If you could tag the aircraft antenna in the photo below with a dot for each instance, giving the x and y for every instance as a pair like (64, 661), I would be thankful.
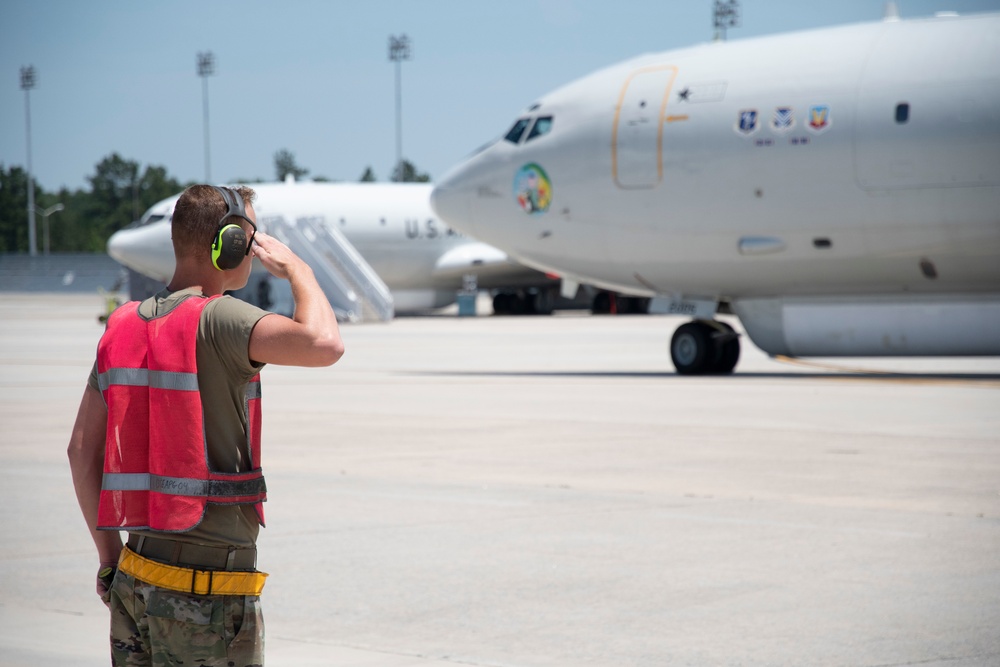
(726, 14)
(399, 50)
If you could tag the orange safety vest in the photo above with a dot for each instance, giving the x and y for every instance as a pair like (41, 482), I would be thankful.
(156, 471)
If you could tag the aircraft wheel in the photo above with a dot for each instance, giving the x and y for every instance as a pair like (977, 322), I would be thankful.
(501, 304)
(692, 349)
(545, 302)
(602, 303)
(728, 351)
(525, 304)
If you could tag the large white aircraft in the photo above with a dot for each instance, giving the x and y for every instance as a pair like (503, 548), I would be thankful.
(422, 261)
(837, 189)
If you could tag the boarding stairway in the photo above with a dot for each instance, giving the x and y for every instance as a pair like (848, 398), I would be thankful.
(351, 285)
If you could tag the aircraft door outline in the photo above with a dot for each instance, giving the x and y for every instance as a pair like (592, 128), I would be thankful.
(633, 165)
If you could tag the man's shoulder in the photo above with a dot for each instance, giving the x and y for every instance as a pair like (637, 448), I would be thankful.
(227, 323)
(227, 317)
(229, 307)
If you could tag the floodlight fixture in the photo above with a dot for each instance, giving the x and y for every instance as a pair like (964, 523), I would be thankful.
(27, 77)
(45, 221)
(399, 48)
(726, 14)
(206, 63)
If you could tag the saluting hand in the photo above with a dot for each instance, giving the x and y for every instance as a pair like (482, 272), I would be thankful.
(275, 256)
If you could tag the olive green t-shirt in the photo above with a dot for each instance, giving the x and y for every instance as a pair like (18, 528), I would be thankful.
(224, 370)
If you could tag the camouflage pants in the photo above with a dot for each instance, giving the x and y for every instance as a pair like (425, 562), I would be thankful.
(155, 627)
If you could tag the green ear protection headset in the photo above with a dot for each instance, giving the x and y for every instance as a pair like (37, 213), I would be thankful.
(231, 244)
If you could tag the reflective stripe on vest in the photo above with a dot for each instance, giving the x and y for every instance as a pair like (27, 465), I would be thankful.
(181, 486)
(156, 471)
(143, 377)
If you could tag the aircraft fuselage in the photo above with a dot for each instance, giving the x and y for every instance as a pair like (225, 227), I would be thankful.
(860, 161)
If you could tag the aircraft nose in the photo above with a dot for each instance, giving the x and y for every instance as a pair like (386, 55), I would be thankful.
(451, 200)
(147, 250)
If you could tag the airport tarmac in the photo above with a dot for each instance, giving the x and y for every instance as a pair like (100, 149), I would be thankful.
(547, 492)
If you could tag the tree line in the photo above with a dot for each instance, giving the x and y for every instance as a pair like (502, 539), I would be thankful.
(120, 192)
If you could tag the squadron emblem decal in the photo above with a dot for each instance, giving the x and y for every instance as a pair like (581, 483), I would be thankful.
(532, 189)
(783, 119)
(746, 122)
(819, 118)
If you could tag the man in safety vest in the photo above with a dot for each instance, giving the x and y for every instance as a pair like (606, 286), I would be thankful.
(166, 444)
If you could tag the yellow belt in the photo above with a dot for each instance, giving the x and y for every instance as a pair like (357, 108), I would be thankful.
(187, 580)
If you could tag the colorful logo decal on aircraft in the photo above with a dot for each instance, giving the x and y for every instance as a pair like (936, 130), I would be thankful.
(746, 123)
(783, 119)
(532, 189)
(819, 118)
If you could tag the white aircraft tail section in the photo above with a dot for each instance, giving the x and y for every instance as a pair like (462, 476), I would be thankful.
(353, 288)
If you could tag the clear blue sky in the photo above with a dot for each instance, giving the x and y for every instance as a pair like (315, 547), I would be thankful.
(313, 76)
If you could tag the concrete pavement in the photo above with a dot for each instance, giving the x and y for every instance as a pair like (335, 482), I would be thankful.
(547, 492)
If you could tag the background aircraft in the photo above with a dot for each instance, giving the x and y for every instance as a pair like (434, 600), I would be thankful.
(421, 261)
(837, 189)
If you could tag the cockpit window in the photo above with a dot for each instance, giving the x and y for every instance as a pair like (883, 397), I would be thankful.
(514, 135)
(542, 126)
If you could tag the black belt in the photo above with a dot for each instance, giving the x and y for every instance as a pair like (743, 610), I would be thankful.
(198, 556)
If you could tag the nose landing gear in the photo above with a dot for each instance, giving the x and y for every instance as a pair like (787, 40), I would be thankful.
(705, 347)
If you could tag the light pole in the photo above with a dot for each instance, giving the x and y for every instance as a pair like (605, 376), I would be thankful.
(206, 68)
(726, 14)
(399, 50)
(45, 222)
(27, 83)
